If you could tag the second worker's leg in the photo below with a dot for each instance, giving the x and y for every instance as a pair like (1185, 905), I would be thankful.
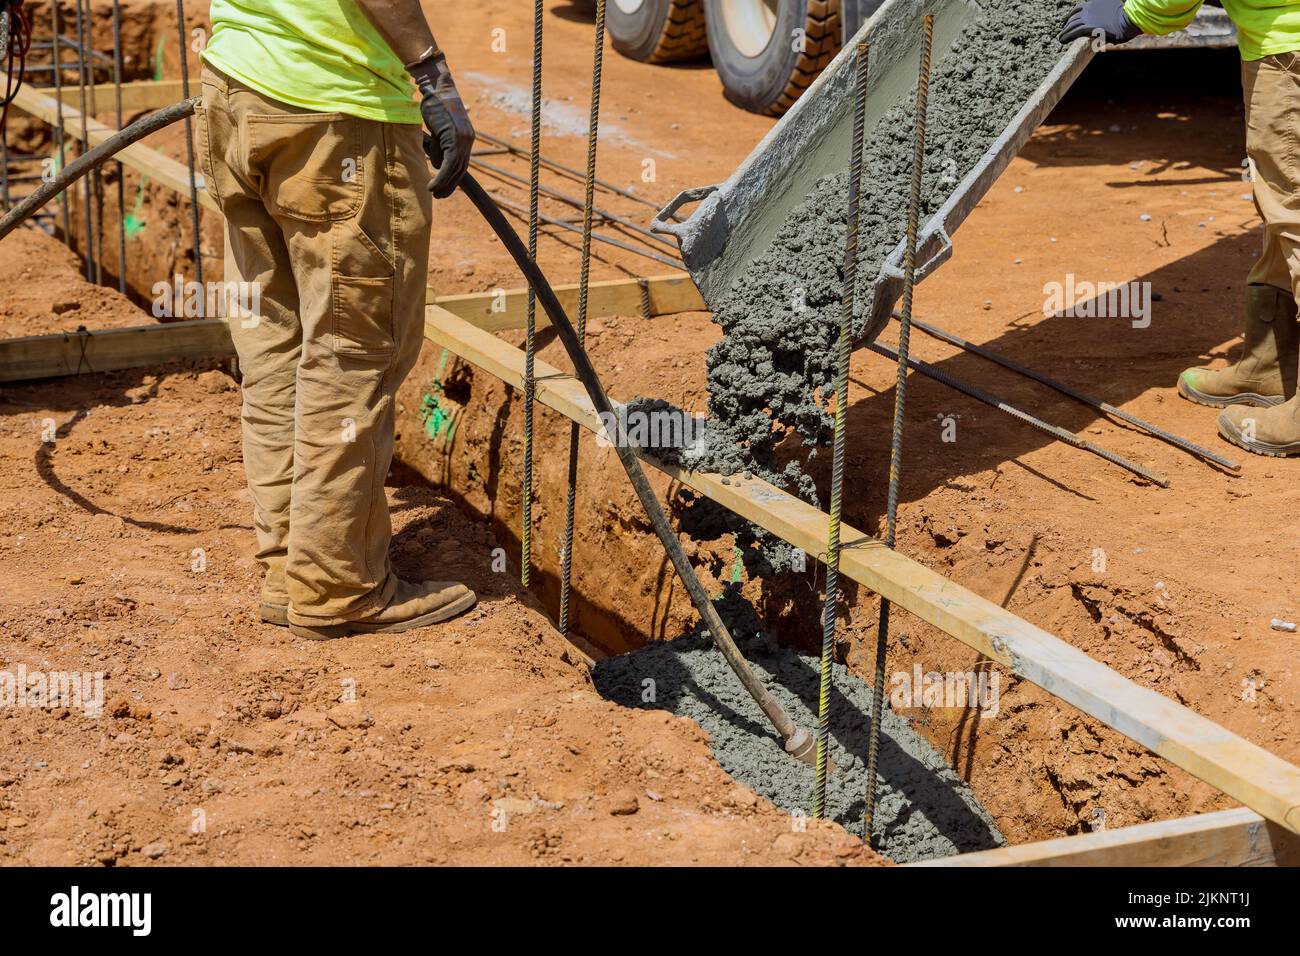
(1272, 88)
(1266, 372)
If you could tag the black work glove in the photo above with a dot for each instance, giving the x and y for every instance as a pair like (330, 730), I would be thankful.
(1106, 16)
(451, 136)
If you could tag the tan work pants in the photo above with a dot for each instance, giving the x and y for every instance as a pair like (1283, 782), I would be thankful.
(329, 216)
(1272, 95)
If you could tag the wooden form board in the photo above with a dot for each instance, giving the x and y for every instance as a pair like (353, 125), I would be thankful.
(137, 95)
(161, 169)
(508, 309)
(1237, 837)
(58, 353)
(1244, 771)
(76, 353)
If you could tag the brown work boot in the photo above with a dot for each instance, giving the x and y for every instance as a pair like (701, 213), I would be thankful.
(1271, 431)
(275, 612)
(1265, 374)
(414, 604)
(275, 594)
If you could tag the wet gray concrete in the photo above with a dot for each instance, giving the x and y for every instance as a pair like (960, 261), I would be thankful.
(781, 317)
(923, 811)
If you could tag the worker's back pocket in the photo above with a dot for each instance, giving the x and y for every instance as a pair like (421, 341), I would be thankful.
(310, 163)
(362, 310)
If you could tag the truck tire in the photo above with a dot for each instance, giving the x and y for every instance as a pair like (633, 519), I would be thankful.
(657, 31)
(767, 52)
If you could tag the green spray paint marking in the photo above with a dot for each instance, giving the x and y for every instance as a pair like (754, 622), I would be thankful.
(736, 574)
(432, 414)
(135, 222)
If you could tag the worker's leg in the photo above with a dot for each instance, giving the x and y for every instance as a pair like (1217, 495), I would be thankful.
(1272, 89)
(266, 331)
(349, 197)
(1266, 372)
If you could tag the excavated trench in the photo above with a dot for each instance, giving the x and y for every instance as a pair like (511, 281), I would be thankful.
(459, 428)
(924, 809)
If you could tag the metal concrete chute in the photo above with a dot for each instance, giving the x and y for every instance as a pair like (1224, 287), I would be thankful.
(934, 246)
(737, 220)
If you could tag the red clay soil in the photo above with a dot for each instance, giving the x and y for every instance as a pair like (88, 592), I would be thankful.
(46, 290)
(478, 742)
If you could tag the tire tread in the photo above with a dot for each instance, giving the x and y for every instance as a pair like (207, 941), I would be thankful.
(683, 36)
(821, 43)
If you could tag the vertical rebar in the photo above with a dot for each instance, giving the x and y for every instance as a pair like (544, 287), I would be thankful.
(530, 333)
(8, 41)
(900, 396)
(80, 25)
(843, 348)
(4, 167)
(121, 170)
(97, 175)
(56, 66)
(189, 152)
(584, 275)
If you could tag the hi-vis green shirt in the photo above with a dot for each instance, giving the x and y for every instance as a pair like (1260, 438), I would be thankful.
(1264, 27)
(320, 55)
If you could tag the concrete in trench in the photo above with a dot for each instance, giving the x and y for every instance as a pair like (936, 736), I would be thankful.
(924, 809)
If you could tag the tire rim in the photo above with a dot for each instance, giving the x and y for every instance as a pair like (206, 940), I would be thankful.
(629, 7)
(750, 24)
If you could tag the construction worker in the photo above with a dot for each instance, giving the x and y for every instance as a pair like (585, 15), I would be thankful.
(310, 141)
(1261, 410)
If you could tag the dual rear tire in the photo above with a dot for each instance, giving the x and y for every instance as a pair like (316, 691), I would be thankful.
(766, 52)
(657, 31)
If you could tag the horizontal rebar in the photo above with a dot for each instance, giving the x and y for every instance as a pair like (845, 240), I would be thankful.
(577, 203)
(1096, 403)
(551, 220)
(572, 173)
(988, 398)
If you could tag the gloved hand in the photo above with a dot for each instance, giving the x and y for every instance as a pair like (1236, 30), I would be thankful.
(1104, 15)
(451, 135)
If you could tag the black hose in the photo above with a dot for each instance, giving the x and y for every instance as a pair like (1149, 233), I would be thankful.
(799, 742)
(93, 158)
